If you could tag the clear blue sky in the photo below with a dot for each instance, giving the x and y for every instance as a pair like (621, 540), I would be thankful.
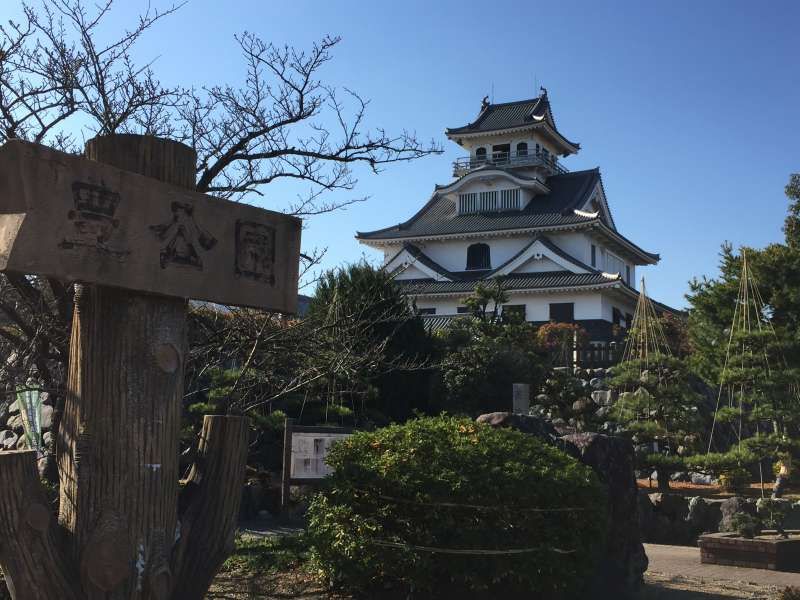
(691, 109)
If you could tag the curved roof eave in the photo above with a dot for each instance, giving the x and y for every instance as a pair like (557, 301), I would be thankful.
(483, 171)
(571, 146)
(650, 257)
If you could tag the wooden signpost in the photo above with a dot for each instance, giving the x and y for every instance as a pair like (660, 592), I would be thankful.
(125, 224)
(80, 220)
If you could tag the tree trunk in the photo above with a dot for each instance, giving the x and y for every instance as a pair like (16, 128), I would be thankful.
(212, 493)
(663, 480)
(118, 441)
(118, 444)
(35, 566)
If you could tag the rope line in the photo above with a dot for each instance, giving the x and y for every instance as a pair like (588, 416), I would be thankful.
(469, 551)
(484, 507)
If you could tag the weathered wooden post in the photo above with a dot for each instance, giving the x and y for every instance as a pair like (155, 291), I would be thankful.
(125, 223)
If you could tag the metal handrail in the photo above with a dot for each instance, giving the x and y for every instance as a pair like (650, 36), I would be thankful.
(509, 159)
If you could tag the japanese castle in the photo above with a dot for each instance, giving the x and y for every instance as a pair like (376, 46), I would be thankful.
(515, 212)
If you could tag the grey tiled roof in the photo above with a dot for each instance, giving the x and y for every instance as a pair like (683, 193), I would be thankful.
(508, 115)
(568, 191)
(527, 281)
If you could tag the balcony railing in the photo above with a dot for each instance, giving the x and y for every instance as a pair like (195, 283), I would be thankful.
(508, 159)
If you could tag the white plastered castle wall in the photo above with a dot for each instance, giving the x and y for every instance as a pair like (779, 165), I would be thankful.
(452, 254)
(588, 305)
(471, 145)
(609, 304)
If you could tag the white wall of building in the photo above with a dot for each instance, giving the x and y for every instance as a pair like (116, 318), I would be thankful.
(588, 305)
(452, 254)
(471, 145)
(489, 184)
(608, 306)
(539, 265)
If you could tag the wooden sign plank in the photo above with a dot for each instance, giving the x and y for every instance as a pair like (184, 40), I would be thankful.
(74, 219)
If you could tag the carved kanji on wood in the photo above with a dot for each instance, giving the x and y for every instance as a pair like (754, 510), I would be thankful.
(75, 219)
(125, 225)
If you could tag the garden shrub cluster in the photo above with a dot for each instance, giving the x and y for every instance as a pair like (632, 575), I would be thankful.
(452, 484)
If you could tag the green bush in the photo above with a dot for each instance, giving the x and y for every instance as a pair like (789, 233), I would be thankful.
(447, 483)
(746, 525)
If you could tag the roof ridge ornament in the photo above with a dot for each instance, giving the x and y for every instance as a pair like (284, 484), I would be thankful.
(484, 103)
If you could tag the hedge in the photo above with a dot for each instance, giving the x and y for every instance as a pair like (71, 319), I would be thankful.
(443, 506)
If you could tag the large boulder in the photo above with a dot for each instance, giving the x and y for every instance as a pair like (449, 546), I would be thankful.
(624, 560)
(704, 515)
(524, 423)
(673, 506)
(647, 516)
(733, 506)
(603, 397)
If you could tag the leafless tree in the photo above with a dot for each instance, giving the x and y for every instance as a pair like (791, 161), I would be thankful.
(59, 83)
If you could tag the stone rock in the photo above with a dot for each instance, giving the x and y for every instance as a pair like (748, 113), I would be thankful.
(582, 405)
(4, 413)
(609, 427)
(581, 373)
(674, 506)
(603, 397)
(793, 517)
(48, 469)
(15, 424)
(542, 399)
(525, 423)
(733, 506)
(49, 439)
(13, 408)
(680, 476)
(8, 440)
(47, 418)
(22, 443)
(646, 516)
(596, 383)
(602, 412)
(599, 372)
(701, 479)
(704, 515)
(623, 561)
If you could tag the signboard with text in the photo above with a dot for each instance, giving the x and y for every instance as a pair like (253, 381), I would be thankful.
(305, 449)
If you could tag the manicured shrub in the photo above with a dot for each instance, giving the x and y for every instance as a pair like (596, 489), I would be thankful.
(746, 525)
(401, 492)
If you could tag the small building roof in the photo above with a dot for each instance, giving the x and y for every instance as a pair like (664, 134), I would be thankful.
(513, 115)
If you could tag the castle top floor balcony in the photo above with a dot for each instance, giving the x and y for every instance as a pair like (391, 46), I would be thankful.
(464, 165)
